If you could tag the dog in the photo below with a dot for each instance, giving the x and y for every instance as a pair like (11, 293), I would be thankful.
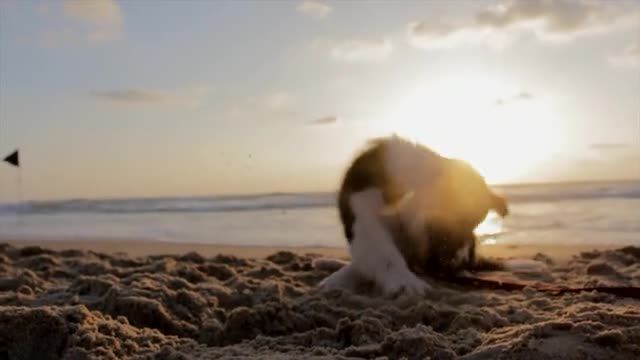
(406, 210)
(436, 229)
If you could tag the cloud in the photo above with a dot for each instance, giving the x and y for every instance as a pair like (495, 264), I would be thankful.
(103, 17)
(82, 21)
(549, 20)
(100, 12)
(314, 8)
(441, 35)
(518, 97)
(190, 96)
(360, 50)
(554, 16)
(627, 58)
(324, 121)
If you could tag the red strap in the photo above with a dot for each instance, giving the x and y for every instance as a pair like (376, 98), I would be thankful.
(624, 291)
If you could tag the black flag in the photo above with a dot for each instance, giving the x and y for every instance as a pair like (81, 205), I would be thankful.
(13, 159)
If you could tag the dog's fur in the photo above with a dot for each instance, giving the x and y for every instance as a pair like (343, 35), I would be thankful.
(405, 209)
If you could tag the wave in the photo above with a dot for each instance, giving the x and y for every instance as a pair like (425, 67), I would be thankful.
(172, 205)
(284, 201)
(560, 192)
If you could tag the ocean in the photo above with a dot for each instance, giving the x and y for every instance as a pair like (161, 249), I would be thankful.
(558, 214)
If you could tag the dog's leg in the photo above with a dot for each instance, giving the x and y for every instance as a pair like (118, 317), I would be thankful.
(373, 251)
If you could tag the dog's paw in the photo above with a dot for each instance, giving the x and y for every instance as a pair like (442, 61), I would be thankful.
(403, 283)
(343, 279)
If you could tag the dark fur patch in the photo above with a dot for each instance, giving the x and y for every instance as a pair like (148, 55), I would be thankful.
(445, 241)
(366, 170)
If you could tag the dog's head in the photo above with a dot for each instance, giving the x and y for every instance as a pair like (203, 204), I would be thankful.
(432, 242)
(465, 195)
(437, 221)
(451, 246)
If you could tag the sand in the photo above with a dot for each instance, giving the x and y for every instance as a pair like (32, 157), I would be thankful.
(75, 300)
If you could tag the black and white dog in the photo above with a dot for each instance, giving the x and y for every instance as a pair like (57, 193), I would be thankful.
(406, 210)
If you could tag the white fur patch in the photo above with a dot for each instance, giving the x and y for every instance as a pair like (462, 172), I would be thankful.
(373, 251)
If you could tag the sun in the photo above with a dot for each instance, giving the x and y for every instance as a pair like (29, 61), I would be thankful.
(462, 116)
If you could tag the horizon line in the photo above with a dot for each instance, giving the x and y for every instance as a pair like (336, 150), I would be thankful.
(273, 193)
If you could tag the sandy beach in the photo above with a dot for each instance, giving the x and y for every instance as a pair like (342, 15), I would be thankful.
(79, 300)
(138, 137)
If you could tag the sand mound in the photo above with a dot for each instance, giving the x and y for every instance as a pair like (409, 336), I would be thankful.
(83, 305)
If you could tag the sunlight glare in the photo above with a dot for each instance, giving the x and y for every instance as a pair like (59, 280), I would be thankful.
(488, 230)
(492, 225)
(460, 117)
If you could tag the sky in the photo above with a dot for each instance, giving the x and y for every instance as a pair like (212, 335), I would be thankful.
(130, 98)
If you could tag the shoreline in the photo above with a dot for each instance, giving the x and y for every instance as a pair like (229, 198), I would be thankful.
(139, 248)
